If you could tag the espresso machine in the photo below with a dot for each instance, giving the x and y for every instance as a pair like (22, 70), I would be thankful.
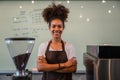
(20, 50)
(102, 62)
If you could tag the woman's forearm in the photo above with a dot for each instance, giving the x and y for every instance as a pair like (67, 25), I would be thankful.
(47, 67)
(42, 65)
(67, 69)
(55, 67)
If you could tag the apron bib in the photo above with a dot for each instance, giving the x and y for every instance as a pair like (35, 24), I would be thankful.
(55, 57)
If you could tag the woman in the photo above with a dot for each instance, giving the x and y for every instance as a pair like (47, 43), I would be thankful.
(56, 58)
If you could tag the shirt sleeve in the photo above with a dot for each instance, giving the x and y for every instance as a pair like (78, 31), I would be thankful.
(42, 49)
(70, 50)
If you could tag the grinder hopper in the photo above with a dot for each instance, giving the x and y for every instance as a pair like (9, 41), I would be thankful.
(20, 50)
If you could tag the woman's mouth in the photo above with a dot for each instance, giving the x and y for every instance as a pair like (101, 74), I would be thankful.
(56, 32)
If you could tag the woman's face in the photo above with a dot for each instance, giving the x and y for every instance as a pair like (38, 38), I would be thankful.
(56, 28)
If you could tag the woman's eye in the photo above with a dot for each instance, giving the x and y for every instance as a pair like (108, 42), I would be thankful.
(53, 26)
(59, 26)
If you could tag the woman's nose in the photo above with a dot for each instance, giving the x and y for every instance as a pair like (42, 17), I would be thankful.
(56, 28)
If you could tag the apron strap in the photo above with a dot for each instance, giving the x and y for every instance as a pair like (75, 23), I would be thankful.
(63, 47)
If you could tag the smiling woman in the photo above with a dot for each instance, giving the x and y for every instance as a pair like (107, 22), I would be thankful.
(56, 58)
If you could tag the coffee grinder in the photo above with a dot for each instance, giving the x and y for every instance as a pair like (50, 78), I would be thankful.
(20, 50)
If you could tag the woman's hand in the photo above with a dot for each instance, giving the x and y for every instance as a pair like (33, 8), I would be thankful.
(71, 62)
(41, 62)
(42, 65)
(69, 66)
(41, 59)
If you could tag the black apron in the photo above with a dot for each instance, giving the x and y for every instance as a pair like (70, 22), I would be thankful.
(54, 57)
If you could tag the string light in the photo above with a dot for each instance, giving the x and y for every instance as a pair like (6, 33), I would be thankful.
(81, 6)
(59, 2)
(68, 1)
(33, 1)
(87, 19)
(81, 16)
(20, 6)
(103, 1)
(109, 11)
(113, 6)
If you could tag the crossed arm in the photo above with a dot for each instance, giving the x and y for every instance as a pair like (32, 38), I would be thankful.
(69, 66)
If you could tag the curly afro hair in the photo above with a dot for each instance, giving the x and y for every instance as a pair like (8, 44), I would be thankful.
(55, 11)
